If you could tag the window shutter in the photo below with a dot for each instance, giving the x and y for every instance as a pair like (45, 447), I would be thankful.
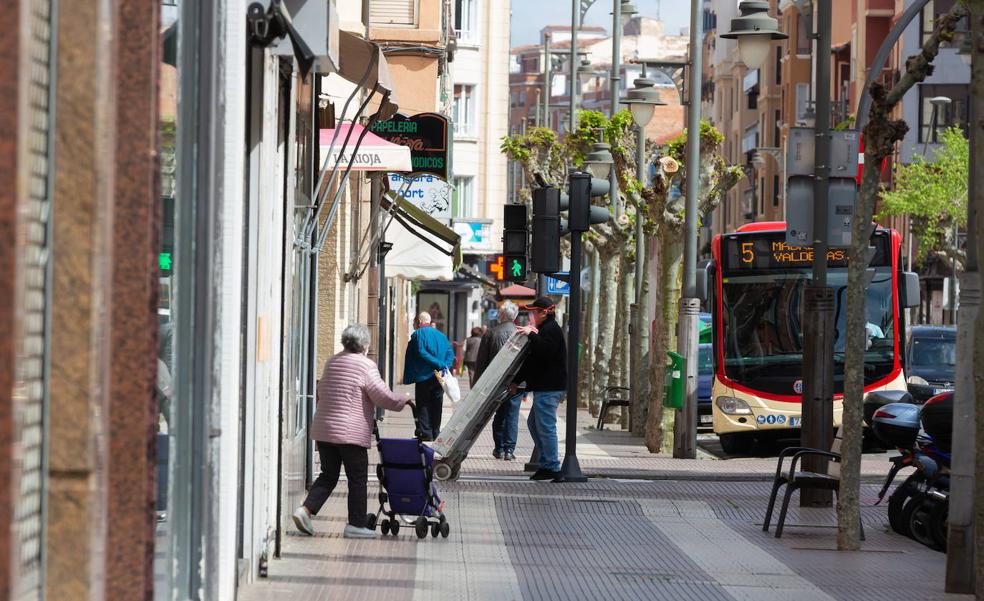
(393, 13)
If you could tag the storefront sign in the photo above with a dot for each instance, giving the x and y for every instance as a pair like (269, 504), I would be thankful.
(426, 191)
(426, 135)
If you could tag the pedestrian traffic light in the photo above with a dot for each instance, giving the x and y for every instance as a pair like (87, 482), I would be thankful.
(582, 214)
(515, 238)
(545, 251)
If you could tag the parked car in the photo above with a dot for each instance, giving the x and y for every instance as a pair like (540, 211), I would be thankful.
(705, 379)
(931, 361)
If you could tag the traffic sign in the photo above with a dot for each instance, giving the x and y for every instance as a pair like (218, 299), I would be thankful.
(555, 286)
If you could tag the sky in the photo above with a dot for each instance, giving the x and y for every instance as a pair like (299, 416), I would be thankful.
(529, 16)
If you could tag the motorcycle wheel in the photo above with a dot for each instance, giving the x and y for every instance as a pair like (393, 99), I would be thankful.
(939, 523)
(899, 503)
(921, 521)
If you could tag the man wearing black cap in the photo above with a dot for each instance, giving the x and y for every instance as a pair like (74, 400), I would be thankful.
(545, 374)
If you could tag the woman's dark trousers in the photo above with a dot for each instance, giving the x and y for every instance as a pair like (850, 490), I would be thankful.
(356, 462)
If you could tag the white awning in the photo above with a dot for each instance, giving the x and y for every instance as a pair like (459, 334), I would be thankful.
(373, 154)
(423, 248)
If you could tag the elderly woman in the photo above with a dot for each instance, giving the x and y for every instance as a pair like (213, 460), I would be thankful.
(349, 389)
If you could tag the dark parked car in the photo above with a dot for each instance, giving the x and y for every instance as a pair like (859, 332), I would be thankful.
(705, 379)
(931, 361)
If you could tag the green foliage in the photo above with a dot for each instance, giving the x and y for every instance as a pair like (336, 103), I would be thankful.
(933, 194)
(710, 138)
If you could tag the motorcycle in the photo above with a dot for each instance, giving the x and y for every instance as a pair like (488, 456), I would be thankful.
(918, 507)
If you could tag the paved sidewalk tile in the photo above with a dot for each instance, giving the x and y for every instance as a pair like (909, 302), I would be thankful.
(686, 530)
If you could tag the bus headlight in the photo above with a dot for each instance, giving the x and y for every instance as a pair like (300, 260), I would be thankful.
(733, 406)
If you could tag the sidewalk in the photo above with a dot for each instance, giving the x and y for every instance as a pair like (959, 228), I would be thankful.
(694, 533)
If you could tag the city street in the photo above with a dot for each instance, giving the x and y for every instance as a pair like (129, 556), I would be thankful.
(647, 527)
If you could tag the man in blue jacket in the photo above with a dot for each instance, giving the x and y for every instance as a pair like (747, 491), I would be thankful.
(428, 351)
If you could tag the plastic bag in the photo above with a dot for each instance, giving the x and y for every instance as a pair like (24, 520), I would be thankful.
(450, 385)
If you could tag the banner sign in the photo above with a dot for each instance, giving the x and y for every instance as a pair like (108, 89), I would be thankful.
(427, 191)
(426, 135)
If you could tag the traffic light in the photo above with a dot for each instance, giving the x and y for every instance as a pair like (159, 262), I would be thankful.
(545, 253)
(582, 214)
(515, 238)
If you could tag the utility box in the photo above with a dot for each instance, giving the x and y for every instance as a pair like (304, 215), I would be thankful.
(842, 195)
(674, 390)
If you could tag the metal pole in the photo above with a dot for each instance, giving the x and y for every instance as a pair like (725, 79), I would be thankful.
(638, 334)
(960, 552)
(575, 24)
(372, 317)
(547, 77)
(685, 424)
(818, 365)
(614, 80)
(571, 469)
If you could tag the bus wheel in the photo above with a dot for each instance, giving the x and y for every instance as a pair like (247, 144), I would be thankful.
(737, 444)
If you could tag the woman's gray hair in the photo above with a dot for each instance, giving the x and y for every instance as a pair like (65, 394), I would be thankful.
(355, 338)
(508, 311)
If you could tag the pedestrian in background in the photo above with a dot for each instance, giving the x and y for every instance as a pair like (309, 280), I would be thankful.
(349, 389)
(471, 353)
(505, 424)
(428, 351)
(545, 374)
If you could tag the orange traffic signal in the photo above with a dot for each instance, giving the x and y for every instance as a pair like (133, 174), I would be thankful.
(498, 268)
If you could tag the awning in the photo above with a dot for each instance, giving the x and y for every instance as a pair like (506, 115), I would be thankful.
(374, 154)
(360, 59)
(436, 259)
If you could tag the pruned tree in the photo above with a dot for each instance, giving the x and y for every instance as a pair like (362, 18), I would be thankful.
(881, 134)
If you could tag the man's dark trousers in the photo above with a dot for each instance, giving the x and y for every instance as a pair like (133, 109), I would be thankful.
(430, 405)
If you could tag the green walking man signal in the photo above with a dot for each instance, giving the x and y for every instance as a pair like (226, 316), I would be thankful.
(516, 268)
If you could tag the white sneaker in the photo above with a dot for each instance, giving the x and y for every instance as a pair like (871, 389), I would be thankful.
(303, 521)
(353, 532)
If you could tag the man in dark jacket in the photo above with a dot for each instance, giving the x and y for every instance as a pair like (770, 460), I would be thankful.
(545, 374)
(505, 424)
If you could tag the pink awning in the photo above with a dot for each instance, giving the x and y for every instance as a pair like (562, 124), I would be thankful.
(374, 154)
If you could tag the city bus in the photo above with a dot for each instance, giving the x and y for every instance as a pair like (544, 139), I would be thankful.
(753, 288)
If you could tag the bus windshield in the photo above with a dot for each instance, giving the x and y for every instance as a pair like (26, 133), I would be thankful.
(763, 334)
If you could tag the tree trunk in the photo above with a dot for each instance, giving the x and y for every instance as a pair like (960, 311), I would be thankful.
(586, 374)
(659, 423)
(848, 509)
(607, 299)
(641, 400)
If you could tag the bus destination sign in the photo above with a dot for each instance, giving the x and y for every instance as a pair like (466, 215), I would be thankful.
(771, 251)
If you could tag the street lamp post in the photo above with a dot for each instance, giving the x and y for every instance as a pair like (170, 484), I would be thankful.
(642, 101)
(547, 77)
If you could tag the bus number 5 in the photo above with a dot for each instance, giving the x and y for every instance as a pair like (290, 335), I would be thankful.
(747, 255)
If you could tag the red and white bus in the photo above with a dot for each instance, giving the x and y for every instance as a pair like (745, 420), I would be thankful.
(754, 288)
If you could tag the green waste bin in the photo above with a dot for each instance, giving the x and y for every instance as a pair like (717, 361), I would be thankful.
(673, 389)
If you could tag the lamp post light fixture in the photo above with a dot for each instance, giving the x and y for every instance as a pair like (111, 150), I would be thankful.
(754, 30)
(585, 72)
(599, 161)
(642, 101)
(628, 10)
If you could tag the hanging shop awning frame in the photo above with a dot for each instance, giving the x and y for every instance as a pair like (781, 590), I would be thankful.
(423, 226)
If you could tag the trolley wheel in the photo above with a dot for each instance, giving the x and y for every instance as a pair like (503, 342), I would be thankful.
(443, 471)
(420, 525)
(435, 529)
(371, 521)
(385, 527)
(445, 529)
